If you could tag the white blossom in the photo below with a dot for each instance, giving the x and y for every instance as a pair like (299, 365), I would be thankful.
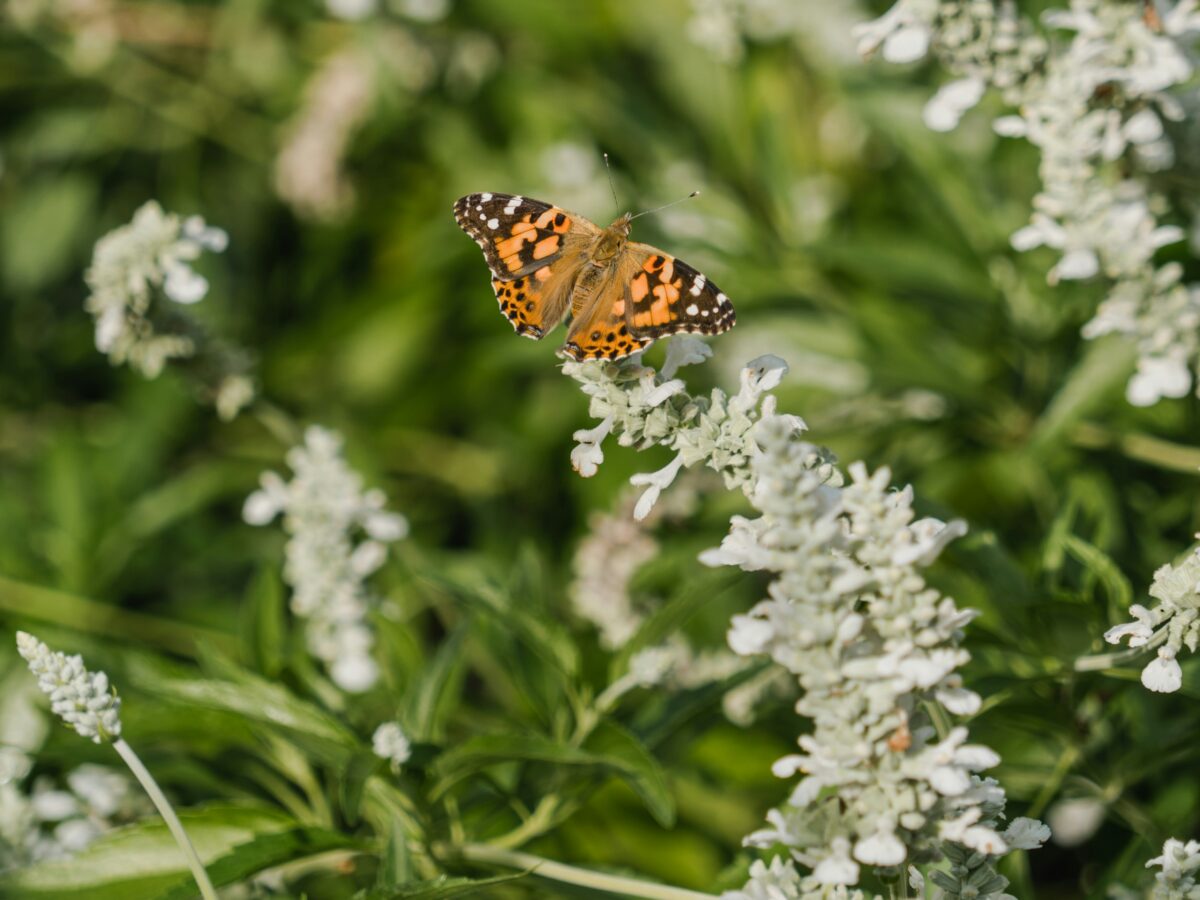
(1073, 821)
(82, 699)
(389, 742)
(849, 615)
(337, 537)
(130, 266)
(46, 821)
(1180, 866)
(1093, 102)
(1163, 674)
(1171, 625)
(309, 171)
(351, 10)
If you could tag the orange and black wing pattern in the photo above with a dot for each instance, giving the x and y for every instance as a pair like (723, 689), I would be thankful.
(525, 244)
(667, 296)
(603, 332)
(517, 235)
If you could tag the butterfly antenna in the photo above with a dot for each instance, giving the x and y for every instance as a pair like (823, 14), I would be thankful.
(647, 212)
(612, 187)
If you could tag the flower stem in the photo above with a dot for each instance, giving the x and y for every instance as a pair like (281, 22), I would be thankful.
(1118, 657)
(142, 774)
(545, 868)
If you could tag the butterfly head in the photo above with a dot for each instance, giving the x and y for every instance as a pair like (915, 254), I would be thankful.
(613, 239)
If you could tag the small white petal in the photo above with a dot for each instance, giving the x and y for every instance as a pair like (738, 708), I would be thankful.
(880, 849)
(907, 44)
(1163, 675)
(185, 286)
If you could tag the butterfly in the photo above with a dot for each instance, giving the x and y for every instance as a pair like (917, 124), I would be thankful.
(621, 295)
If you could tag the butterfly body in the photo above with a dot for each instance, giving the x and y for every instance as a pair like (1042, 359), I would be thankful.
(621, 295)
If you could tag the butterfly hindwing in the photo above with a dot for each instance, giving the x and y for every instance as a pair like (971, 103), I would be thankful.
(603, 332)
(534, 303)
(666, 296)
(517, 235)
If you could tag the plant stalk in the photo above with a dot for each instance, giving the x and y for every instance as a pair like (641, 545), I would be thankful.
(545, 868)
(163, 805)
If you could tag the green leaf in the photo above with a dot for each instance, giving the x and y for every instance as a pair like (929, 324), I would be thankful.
(261, 853)
(1102, 567)
(477, 753)
(267, 704)
(266, 621)
(430, 695)
(633, 763)
(395, 866)
(544, 637)
(1093, 381)
(610, 748)
(41, 228)
(352, 781)
(142, 861)
(694, 594)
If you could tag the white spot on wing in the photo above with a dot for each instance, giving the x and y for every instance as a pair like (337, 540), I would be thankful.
(704, 312)
(697, 286)
(722, 299)
(693, 309)
(485, 196)
(493, 224)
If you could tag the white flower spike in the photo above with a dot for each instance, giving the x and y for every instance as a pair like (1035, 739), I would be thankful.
(82, 699)
(337, 537)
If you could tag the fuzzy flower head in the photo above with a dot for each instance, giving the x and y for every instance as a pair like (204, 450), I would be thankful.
(1180, 867)
(389, 742)
(642, 408)
(1094, 102)
(1172, 625)
(151, 256)
(338, 536)
(82, 699)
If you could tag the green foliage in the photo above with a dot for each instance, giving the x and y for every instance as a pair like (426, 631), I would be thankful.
(917, 338)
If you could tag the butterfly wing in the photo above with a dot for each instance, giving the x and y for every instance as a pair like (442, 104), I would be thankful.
(650, 295)
(533, 249)
(602, 330)
(666, 296)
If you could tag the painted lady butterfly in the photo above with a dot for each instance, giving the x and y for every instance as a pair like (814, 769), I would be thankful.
(621, 295)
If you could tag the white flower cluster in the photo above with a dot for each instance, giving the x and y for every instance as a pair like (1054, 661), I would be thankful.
(82, 699)
(129, 264)
(389, 742)
(1180, 864)
(1174, 623)
(870, 643)
(53, 822)
(642, 410)
(615, 547)
(725, 27)
(323, 508)
(1095, 106)
(309, 170)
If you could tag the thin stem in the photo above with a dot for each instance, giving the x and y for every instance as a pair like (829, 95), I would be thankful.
(1140, 447)
(1117, 657)
(545, 868)
(538, 821)
(142, 774)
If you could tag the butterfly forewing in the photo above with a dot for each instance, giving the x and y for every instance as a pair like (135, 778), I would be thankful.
(517, 235)
(667, 296)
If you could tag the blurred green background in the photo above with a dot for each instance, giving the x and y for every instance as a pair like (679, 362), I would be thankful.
(867, 251)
